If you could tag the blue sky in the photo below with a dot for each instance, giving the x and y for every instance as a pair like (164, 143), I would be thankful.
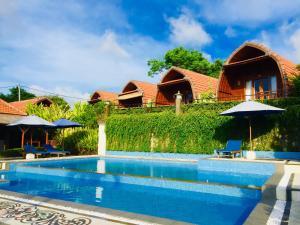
(74, 47)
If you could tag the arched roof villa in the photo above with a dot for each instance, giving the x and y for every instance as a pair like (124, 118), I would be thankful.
(190, 84)
(137, 93)
(254, 71)
(104, 96)
(22, 105)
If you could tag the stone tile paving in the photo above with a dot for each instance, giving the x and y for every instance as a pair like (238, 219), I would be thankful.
(16, 213)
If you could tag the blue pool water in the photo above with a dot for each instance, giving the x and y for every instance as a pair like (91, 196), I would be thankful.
(159, 169)
(105, 182)
(193, 207)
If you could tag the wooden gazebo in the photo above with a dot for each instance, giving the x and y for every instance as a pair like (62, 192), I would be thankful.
(254, 71)
(137, 94)
(189, 83)
(104, 96)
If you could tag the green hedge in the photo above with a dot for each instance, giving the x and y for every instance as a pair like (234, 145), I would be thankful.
(200, 129)
(16, 152)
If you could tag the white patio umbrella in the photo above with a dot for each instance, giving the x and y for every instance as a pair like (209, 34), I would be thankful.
(249, 109)
(28, 122)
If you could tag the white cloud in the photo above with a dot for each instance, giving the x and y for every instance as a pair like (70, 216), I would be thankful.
(110, 45)
(248, 13)
(68, 58)
(285, 40)
(295, 41)
(264, 38)
(230, 32)
(185, 30)
(207, 56)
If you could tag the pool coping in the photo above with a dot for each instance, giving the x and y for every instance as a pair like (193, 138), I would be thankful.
(112, 215)
(262, 212)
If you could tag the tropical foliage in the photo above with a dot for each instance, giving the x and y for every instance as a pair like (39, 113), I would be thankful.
(79, 140)
(13, 95)
(59, 101)
(187, 59)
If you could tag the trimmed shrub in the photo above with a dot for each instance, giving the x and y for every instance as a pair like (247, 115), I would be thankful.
(200, 129)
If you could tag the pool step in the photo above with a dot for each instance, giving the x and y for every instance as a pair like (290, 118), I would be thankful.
(288, 188)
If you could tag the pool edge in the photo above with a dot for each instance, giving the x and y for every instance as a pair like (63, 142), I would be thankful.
(88, 210)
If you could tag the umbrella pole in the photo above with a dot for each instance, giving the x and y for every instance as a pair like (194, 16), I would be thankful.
(23, 137)
(250, 134)
(31, 137)
(47, 137)
(63, 139)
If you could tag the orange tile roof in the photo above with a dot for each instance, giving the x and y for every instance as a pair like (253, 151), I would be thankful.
(149, 90)
(7, 108)
(21, 105)
(104, 96)
(199, 82)
(287, 67)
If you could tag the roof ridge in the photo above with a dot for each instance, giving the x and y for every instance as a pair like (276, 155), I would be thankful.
(196, 73)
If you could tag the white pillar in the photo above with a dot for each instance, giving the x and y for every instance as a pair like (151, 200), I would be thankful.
(101, 139)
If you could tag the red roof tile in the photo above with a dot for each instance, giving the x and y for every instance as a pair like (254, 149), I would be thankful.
(104, 96)
(21, 105)
(149, 90)
(287, 67)
(6, 108)
(199, 82)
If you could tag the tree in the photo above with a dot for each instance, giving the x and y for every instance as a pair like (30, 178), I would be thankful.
(13, 95)
(186, 59)
(61, 102)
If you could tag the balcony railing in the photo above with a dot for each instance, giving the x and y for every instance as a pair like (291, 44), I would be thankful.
(258, 95)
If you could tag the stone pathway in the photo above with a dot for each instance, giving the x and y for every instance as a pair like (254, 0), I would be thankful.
(16, 213)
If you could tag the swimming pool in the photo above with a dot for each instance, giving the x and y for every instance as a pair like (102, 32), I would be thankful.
(145, 191)
(165, 170)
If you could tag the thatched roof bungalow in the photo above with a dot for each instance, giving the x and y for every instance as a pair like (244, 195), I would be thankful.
(254, 71)
(189, 83)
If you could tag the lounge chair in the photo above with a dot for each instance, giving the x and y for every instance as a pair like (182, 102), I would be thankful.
(31, 149)
(233, 147)
(54, 151)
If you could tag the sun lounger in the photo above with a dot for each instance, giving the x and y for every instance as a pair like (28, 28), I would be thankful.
(54, 151)
(31, 149)
(233, 147)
